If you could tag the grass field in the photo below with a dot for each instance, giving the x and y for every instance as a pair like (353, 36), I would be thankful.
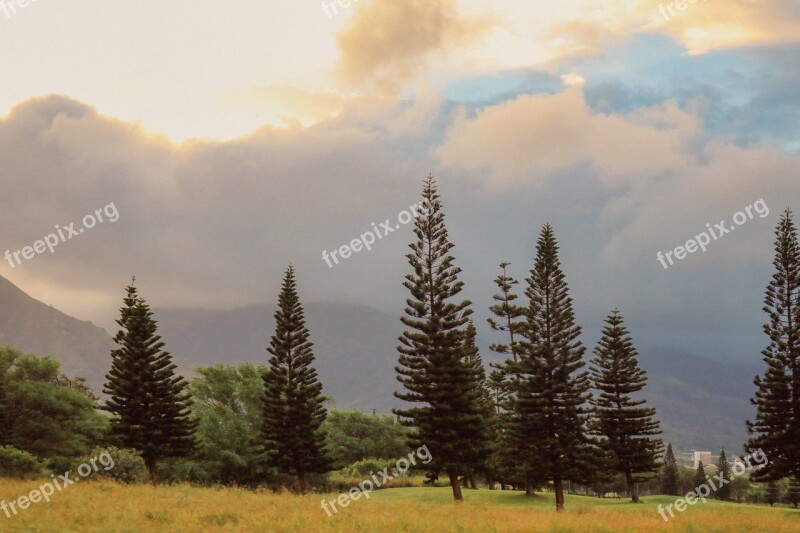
(109, 507)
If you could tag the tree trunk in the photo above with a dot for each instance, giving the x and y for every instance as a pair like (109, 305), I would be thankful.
(472, 484)
(150, 463)
(559, 489)
(301, 480)
(528, 488)
(631, 487)
(456, 486)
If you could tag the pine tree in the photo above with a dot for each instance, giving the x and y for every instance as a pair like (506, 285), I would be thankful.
(150, 404)
(293, 409)
(472, 357)
(508, 314)
(793, 494)
(498, 389)
(776, 429)
(669, 479)
(724, 471)
(773, 493)
(700, 475)
(431, 365)
(548, 424)
(624, 424)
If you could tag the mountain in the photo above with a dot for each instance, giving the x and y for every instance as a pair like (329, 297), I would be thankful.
(31, 326)
(701, 401)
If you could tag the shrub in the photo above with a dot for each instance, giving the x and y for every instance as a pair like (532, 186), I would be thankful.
(128, 464)
(18, 463)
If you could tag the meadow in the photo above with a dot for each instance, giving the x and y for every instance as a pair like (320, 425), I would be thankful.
(105, 506)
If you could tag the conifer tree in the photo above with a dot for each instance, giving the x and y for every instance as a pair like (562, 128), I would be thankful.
(498, 388)
(724, 471)
(776, 428)
(443, 387)
(508, 314)
(624, 424)
(773, 495)
(150, 403)
(293, 409)
(507, 318)
(548, 424)
(669, 479)
(472, 357)
(699, 475)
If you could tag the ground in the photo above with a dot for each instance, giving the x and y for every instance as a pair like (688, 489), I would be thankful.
(100, 506)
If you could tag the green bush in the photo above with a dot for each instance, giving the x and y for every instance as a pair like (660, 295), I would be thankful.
(128, 465)
(18, 463)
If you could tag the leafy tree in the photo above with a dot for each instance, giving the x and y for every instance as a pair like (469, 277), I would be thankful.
(699, 475)
(448, 412)
(624, 424)
(50, 419)
(740, 486)
(353, 436)
(227, 403)
(776, 428)
(793, 494)
(669, 483)
(724, 471)
(549, 419)
(150, 404)
(293, 409)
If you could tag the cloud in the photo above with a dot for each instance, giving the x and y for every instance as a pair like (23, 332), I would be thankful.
(387, 43)
(707, 25)
(534, 138)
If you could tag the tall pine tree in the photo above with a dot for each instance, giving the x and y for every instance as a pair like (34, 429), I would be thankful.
(624, 424)
(550, 414)
(150, 403)
(700, 475)
(724, 471)
(776, 428)
(449, 417)
(293, 409)
(669, 476)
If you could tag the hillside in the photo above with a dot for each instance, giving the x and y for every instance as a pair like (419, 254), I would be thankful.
(702, 402)
(31, 326)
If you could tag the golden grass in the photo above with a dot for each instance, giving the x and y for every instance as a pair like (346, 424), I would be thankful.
(104, 506)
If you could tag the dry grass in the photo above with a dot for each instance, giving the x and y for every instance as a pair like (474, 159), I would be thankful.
(108, 507)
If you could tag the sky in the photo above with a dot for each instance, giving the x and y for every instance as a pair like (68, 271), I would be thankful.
(232, 139)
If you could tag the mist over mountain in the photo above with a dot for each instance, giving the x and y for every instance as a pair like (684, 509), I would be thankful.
(702, 402)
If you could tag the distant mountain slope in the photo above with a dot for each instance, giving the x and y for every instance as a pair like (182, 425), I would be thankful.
(354, 346)
(701, 402)
(31, 326)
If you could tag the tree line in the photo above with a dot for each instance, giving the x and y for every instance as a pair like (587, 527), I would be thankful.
(543, 416)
